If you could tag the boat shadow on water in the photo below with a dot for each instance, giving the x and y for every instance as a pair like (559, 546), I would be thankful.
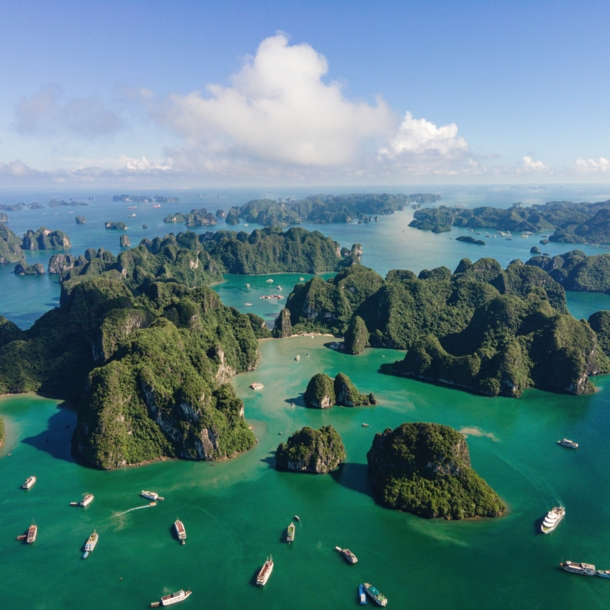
(56, 439)
(538, 526)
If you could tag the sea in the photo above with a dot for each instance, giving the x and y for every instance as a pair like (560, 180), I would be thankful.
(236, 512)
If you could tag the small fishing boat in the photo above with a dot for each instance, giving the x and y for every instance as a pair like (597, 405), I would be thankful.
(297, 518)
(362, 595)
(603, 573)
(290, 533)
(29, 483)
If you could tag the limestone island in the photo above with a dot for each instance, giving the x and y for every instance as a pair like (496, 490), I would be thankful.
(45, 239)
(308, 450)
(10, 246)
(425, 469)
(115, 226)
(470, 240)
(322, 393)
(80, 220)
(22, 268)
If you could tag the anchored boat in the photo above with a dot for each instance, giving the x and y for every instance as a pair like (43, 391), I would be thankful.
(347, 555)
(362, 595)
(375, 594)
(32, 533)
(86, 500)
(553, 519)
(29, 483)
(151, 495)
(290, 533)
(90, 544)
(584, 569)
(566, 442)
(265, 572)
(180, 531)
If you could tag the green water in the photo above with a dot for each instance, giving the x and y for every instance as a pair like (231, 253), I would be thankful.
(236, 512)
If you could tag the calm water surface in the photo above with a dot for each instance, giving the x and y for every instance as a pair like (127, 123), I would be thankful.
(236, 512)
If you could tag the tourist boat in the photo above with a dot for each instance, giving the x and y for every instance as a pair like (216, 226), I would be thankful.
(173, 598)
(269, 281)
(180, 531)
(553, 519)
(279, 288)
(297, 357)
(157, 205)
(32, 533)
(297, 518)
(29, 483)
(301, 279)
(132, 216)
(362, 595)
(366, 425)
(90, 544)
(374, 594)
(566, 442)
(257, 386)
(290, 533)
(265, 572)
(151, 495)
(585, 569)
(247, 285)
(347, 555)
(86, 500)
(603, 573)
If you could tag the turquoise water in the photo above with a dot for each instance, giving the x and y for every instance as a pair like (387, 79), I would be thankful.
(236, 512)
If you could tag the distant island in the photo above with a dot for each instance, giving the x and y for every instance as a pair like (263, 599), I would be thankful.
(323, 209)
(565, 221)
(58, 203)
(115, 226)
(425, 469)
(323, 392)
(196, 218)
(489, 330)
(314, 451)
(12, 246)
(145, 199)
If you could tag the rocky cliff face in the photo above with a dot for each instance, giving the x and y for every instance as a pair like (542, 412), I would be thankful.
(320, 392)
(347, 395)
(45, 239)
(308, 450)
(425, 469)
(10, 246)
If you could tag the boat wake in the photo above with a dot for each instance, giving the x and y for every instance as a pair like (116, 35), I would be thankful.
(130, 509)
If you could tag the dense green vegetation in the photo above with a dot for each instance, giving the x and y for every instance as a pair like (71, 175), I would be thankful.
(44, 239)
(570, 222)
(576, 271)
(425, 469)
(482, 328)
(147, 367)
(309, 450)
(323, 392)
(196, 260)
(470, 240)
(196, 218)
(322, 209)
(22, 268)
(115, 226)
(356, 336)
(10, 246)
(600, 323)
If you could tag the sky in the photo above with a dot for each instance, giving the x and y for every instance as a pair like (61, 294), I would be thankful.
(196, 93)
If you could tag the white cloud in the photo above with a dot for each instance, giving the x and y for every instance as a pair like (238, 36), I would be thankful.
(144, 165)
(278, 109)
(588, 166)
(422, 136)
(48, 113)
(529, 165)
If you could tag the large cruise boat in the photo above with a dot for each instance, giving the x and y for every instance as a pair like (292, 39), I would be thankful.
(347, 555)
(265, 572)
(586, 569)
(566, 442)
(29, 483)
(180, 531)
(553, 519)
(374, 594)
(290, 533)
(32, 533)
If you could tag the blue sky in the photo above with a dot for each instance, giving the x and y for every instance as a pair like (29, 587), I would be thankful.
(334, 92)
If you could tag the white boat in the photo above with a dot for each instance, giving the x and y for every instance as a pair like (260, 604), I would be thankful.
(174, 598)
(257, 386)
(297, 357)
(585, 569)
(290, 532)
(90, 544)
(86, 500)
(180, 531)
(29, 483)
(553, 519)
(374, 593)
(301, 279)
(566, 442)
(32, 533)
(247, 285)
(269, 281)
(151, 495)
(347, 555)
(265, 572)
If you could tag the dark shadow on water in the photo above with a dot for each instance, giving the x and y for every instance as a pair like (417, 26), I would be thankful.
(55, 440)
(270, 460)
(387, 369)
(297, 401)
(339, 351)
(355, 477)
(537, 526)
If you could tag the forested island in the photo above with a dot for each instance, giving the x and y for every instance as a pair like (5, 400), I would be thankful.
(12, 246)
(314, 451)
(197, 218)
(145, 199)
(323, 392)
(323, 209)
(486, 329)
(565, 221)
(425, 469)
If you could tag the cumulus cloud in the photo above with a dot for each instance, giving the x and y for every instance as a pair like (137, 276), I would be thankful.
(529, 165)
(47, 112)
(421, 136)
(278, 108)
(590, 166)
